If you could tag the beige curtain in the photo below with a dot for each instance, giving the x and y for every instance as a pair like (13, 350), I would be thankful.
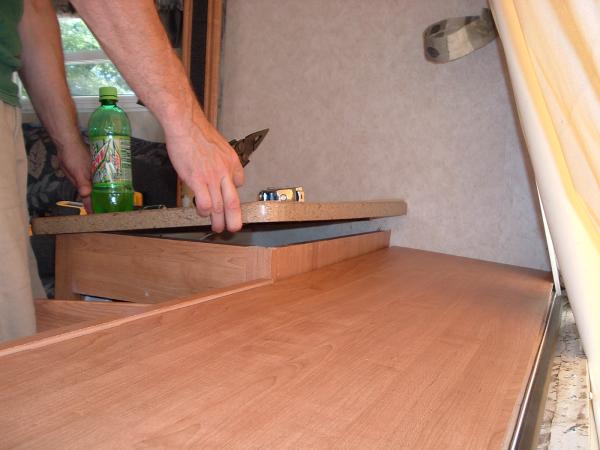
(552, 50)
(563, 42)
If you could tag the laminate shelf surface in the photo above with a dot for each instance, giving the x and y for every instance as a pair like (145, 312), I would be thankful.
(253, 212)
(398, 348)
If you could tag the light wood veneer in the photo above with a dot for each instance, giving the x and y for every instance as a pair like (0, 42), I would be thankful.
(395, 349)
(52, 314)
(153, 270)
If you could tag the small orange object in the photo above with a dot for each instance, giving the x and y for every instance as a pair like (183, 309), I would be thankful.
(77, 205)
(138, 200)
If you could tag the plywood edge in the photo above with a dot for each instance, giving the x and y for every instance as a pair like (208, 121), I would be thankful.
(253, 212)
(75, 331)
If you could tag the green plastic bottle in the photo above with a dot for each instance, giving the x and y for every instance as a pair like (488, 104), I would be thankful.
(110, 144)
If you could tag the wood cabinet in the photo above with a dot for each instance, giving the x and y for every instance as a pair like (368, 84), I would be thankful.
(152, 270)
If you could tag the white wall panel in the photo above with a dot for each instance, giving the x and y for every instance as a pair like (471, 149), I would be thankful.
(356, 112)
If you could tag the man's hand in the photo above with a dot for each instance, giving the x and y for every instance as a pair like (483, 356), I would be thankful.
(136, 42)
(74, 161)
(43, 73)
(211, 168)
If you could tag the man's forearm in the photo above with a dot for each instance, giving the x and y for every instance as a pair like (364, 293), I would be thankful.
(43, 72)
(136, 42)
(131, 34)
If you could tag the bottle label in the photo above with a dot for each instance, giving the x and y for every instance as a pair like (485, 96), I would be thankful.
(111, 160)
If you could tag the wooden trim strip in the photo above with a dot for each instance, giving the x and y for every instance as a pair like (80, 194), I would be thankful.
(54, 314)
(34, 342)
(186, 58)
(212, 73)
(186, 38)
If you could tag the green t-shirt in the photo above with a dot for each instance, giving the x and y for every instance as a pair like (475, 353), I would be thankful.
(10, 49)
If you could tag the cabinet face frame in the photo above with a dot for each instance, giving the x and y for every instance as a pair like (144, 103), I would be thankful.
(150, 270)
(212, 74)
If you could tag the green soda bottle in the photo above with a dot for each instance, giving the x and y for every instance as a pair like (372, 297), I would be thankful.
(110, 140)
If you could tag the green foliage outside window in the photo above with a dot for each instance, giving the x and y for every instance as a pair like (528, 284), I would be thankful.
(86, 78)
(76, 36)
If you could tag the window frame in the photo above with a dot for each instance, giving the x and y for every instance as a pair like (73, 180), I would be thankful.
(87, 103)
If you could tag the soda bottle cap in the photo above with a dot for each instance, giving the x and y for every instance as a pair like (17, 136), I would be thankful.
(108, 93)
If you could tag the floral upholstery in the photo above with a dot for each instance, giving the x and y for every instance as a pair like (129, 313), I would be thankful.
(46, 183)
(153, 174)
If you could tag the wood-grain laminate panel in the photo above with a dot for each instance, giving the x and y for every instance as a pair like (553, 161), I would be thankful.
(300, 258)
(395, 349)
(150, 270)
(52, 314)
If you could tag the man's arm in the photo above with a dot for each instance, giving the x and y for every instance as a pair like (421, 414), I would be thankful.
(131, 34)
(43, 73)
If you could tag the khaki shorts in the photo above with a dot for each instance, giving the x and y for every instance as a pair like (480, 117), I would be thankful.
(19, 278)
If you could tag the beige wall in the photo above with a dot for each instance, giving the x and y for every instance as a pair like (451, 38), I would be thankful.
(356, 112)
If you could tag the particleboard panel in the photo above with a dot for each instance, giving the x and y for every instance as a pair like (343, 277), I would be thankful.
(52, 314)
(296, 259)
(254, 212)
(395, 349)
(150, 270)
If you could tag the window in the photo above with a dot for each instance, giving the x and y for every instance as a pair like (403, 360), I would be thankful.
(87, 68)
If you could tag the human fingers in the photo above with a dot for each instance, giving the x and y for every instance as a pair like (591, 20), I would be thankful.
(233, 212)
(84, 189)
(237, 172)
(202, 200)
(84, 185)
(217, 217)
(87, 204)
(80, 176)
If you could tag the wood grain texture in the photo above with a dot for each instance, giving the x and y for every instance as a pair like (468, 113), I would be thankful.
(296, 259)
(212, 76)
(53, 336)
(52, 314)
(186, 35)
(212, 70)
(151, 270)
(186, 58)
(395, 349)
(63, 278)
(253, 212)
